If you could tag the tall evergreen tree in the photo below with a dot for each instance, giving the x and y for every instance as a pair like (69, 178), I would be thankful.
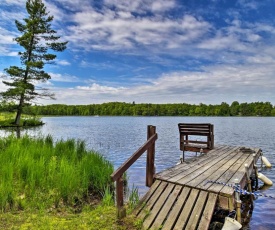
(36, 39)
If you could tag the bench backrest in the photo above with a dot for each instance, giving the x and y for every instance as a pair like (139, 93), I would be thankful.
(196, 129)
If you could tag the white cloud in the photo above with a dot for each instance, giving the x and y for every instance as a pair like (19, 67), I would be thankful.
(216, 83)
(262, 58)
(237, 36)
(99, 89)
(8, 17)
(219, 42)
(249, 4)
(6, 42)
(109, 31)
(261, 27)
(142, 6)
(6, 52)
(63, 62)
(63, 78)
(13, 2)
(3, 87)
(162, 5)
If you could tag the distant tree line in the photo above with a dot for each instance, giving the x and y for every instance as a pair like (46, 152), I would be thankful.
(133, 109)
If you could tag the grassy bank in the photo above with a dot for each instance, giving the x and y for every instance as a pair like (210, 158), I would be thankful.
(38, 174)
(7, 120)
(97, 218)
(61, 185)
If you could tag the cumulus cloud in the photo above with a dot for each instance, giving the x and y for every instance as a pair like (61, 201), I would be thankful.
(100, 89)
(3, 87)
(6, 42)
(13, 2)
(108, 30)
(63, 77)
(142, 6)
(236, 36)
(216, 84)
(248, 4)
(63, 62)
(211, 82)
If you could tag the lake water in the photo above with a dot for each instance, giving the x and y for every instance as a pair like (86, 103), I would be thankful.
(117, 138)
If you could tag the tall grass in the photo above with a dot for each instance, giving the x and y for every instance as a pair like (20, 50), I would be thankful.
(36, 173)
(133, 197)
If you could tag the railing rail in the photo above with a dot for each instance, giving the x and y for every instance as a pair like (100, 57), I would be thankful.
(149, 145)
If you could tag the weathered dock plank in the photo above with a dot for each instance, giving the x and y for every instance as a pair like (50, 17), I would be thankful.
(187, 209)
(227, 175)
(152, 200)
(193, 166)
(182, 198)
(208, 212)
(197, 211)
(174, 213)
(162, 216)
(146, 197)
(240, 173)
(210, 170)
(196, 171)
(158, 206)
(180, 168)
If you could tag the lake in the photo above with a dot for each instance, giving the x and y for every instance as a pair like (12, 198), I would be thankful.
(117, 138)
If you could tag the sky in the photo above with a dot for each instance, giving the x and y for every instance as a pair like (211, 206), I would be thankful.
(154, 51)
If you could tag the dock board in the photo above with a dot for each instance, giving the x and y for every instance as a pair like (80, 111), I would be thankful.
(177, 207)
(182, 197)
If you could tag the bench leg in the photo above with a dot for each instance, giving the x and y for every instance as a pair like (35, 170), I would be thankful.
(182, 156)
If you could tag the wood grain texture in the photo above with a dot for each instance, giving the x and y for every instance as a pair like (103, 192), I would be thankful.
(182, 198)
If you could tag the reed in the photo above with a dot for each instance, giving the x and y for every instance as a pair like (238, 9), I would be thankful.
(35, 173)
(133, 198)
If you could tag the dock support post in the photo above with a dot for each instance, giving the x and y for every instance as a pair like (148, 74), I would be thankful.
(121, 211)
(239, 216)
(249, 185)
(255, 169)
(150, 163)
(238, 203)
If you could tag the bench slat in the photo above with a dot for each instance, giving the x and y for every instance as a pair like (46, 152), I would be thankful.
(196, 129)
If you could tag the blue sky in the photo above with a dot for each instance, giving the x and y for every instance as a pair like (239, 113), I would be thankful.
(155, 51)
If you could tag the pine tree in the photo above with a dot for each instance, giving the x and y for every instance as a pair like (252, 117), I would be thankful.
(36, 40)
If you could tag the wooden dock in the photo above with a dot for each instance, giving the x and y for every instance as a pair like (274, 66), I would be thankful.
(183, 198)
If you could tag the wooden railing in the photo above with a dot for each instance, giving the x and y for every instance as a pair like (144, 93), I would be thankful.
(149, 145)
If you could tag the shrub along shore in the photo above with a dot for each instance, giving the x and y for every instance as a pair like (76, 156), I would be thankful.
(47, 185)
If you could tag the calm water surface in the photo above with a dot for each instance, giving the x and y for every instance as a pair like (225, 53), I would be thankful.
(117, 138)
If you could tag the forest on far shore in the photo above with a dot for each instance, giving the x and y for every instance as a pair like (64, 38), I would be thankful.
(148, 109)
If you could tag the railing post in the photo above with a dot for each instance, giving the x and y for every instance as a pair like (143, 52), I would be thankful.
(116, 176)
(150, 163)
(121, 211)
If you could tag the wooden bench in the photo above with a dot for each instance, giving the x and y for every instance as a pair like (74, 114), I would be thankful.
(186, 130)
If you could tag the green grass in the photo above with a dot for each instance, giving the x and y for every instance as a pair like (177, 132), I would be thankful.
(95, 218)
(57, 185)
(133, 198)
(7, 120)
(38, 174)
